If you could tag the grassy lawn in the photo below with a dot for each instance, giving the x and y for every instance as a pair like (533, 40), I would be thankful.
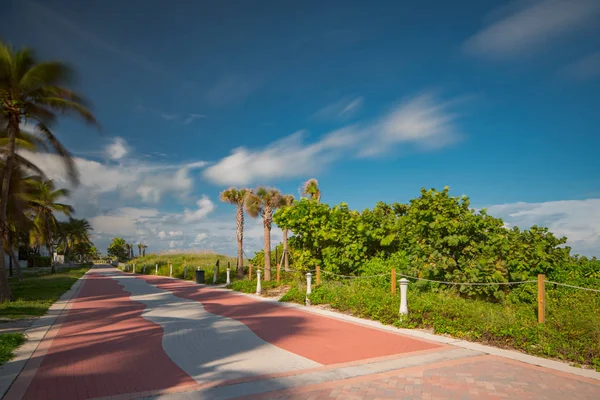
(37, 292)
(205, 260)
(8, 343)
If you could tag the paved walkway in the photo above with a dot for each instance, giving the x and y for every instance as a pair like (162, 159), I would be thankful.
(128, 336)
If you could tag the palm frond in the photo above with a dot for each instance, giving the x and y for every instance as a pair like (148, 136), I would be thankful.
(44, 74)
(62, 151)
(67, 106)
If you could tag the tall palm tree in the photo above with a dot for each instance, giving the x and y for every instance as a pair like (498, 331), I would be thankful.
(263, 202)
(139, 246)
(74, 232)
(34, 92)
(288, 200)
(311, 189)
(237, 197)
(42, 197)
(144, 247)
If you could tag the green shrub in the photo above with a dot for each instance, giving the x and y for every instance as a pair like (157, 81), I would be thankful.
(246, 286)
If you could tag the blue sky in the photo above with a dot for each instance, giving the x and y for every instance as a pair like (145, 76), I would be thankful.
(498, 100)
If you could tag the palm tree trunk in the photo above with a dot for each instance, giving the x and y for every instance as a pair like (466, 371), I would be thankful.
(13, 127)
(10, 261)
(240, 239)
(268, 218)
(286, 261)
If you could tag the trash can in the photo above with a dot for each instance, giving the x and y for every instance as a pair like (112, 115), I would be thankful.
(199, 276)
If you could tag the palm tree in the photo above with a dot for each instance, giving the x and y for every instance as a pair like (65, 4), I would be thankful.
(288, 200)
(311, 189)
(42, 197)
(74, 232)
(263, 202)
(144, 247)
(32, 92)
(139, 246)
(237, 197)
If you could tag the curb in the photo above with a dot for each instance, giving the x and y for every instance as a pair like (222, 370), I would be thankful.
(34, 336)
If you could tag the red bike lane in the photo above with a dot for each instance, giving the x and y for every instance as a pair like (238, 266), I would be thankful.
(103, 347)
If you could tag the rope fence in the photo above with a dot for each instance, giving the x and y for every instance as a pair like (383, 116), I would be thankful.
(468, 283)
(573, 287)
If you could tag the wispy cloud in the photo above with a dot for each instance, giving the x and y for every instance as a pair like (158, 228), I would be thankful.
(230, 90)
(587, 67)
(531, 25)
(184, 118)
(340, 110)
(191, 117)
(422, 122)
(578, 220)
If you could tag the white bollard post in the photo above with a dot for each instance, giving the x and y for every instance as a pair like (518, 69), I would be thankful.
(144, 270)
(308, 287)
(258, 288)
(215, 275)
(156, 272)
(134, 268)
(184, 271)
(403, 301)
(228, 279)
(170, 270)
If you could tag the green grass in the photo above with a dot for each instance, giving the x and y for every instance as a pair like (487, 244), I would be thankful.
(37, 292)
(206, 262)
(571, 331)
(8, 343)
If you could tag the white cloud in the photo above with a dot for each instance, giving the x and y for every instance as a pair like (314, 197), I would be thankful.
(124, 221)
(200, 237)
(117, 149)
(421, 121)
(205, 207)
(531, 25)
(578, 220)
(285, 158)
(340, 110)
(145, 180)
(162, 235)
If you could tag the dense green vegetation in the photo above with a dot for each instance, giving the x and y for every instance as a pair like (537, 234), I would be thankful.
(435, 236)
(8, 343)
(38, 291)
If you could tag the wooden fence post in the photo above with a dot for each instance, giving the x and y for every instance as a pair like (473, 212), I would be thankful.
(278, 273)
(393, 280)
(250, 272)
(318, 275)
(541, 298)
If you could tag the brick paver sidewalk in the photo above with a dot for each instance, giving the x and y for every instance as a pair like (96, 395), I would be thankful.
(128, 336)
(485, 377)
